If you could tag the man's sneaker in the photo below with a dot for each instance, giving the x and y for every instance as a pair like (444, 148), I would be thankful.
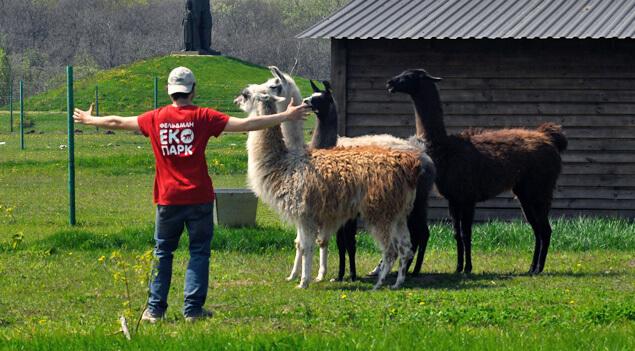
(149, 316)
(204, 314)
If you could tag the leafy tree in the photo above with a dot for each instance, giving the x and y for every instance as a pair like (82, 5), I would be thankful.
(43, 36)
(5, 77)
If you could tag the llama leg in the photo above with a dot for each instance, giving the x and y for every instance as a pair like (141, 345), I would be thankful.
(528, 211)
(297, 263)
(341, 249)
(404, 249)
(544, 249)
(414, 237)
(387, 261)
(383, 239)
(306, 242)
(422, 247)
(531, 218)
(418, 224)
(377, 269)
(466, 235)
(404, 258)
(455, 213)
(324, 251)
(542, 219)
(351, 246)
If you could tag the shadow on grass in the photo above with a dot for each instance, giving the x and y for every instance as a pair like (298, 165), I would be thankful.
(455, 281)
(446, 281)
(571, 274)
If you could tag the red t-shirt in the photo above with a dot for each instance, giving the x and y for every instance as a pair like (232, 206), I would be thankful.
(179, 136)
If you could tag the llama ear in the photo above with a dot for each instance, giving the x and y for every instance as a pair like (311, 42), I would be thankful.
(432, 78)
(239, 100)
(277, 98)
(278, 74)
(327, 85)
(314, 87)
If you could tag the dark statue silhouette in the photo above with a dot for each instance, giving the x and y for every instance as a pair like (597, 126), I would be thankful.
(197, 26)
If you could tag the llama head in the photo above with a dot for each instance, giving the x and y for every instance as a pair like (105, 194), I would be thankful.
(321, 102)
(411, 81)
(246, 101)
(255, 95)
(282, 85)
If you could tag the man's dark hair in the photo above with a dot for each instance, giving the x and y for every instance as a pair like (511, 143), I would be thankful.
(179, 96)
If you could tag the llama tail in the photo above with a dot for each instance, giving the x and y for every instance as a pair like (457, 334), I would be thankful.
(554, 132)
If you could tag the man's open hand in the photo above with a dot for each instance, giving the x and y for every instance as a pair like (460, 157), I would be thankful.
(296, 113)
(83, 117)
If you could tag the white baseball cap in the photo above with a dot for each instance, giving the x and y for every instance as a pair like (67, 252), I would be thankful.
(181, 80)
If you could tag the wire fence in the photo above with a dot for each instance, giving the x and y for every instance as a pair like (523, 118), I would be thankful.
(43, 108)
(44, 112)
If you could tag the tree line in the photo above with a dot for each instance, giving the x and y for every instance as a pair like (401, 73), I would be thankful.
(38, 38)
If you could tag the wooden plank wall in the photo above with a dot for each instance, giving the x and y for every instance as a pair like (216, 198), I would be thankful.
(588, 86)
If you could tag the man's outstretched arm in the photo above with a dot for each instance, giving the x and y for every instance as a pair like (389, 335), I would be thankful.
(107, 122)
(293, 113)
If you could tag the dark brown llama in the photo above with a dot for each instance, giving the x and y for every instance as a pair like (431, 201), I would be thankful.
(477, 165)
(325, 136)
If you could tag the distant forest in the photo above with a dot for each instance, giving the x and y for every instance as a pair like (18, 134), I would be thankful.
(38, 38)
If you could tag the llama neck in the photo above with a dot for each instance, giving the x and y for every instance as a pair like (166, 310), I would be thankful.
(429, 116)
(325, 133)
(266, 147)
(293, 131)
(266, 144)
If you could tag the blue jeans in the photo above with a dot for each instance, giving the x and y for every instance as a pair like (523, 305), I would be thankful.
(170, 221)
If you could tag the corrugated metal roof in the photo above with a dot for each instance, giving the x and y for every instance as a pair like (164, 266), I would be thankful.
(478, 19)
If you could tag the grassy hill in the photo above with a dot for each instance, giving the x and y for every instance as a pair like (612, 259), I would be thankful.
(129, 89)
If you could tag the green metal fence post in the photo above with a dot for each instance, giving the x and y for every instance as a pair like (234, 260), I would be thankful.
(11, 107)
(21, 115)
(97, 103)
(156, 92)
(70, 106)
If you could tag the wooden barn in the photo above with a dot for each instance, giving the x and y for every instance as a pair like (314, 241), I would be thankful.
(505, 64)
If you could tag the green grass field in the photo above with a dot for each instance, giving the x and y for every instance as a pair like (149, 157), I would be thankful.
(58, 291)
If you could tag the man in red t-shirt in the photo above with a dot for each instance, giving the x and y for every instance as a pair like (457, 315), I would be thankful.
(183, 188)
